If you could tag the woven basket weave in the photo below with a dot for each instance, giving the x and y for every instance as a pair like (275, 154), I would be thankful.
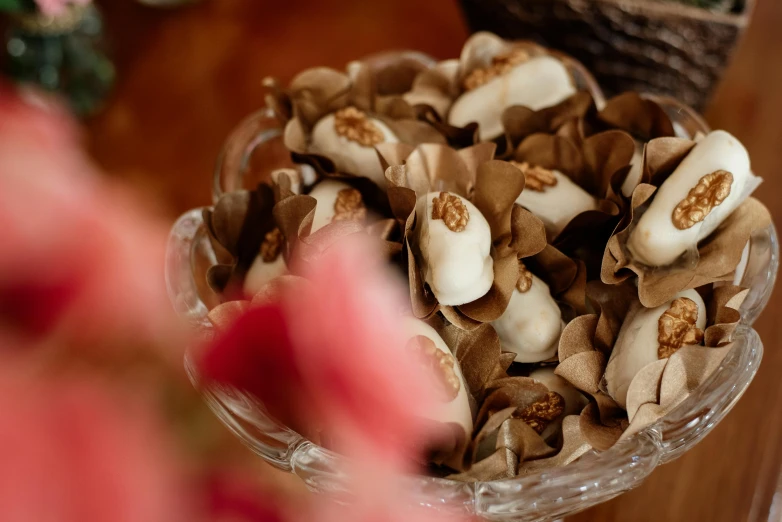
(645, 45)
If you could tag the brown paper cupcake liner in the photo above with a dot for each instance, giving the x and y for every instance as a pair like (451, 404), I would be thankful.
(520, 122)
(294, 216)
(574, 446)
(493, 187)
(484, 368)
(444, 84)
(502, 440)
(598, 165)
(318, 92)
(715, 259)
(587, 342)
(236, 227)
(500, 431)
(240, 221)
(566, 278)
(640, 117)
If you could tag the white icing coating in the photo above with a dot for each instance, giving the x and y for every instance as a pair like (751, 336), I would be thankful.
(637, 345)
(656, 241)
(575, 401)
(349, 156)
(557, 205)
(741, 268)
(293, 175)
(326, 193)
(541, 82)
(457, 265)
(261, 273)
(308, 174)
(636, 169)
(458, 410)
(531, 324)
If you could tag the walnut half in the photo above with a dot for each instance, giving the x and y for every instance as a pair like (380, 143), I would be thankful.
(676, 327)
(440, 363)
(349, 206)
(543, 412)
(500, 64)
(354, 125)
(525, 279)
(452, 210)
(709, 193)
(272, 245)
(536, 178)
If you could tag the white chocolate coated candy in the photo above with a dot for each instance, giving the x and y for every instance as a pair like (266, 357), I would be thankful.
(531, 325)
(541, 82)
(575, 401)
(656, 241)
(636, 169)
(637, 345)
(302, 176)
(458, 410)
(457, 265)
(326, 193)
(350, 156)
(557, 205)
(261, 273)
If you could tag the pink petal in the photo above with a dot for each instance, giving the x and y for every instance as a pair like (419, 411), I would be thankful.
(74, 452)
(345, 328)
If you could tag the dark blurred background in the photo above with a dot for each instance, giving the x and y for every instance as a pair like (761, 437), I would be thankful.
(186, 76)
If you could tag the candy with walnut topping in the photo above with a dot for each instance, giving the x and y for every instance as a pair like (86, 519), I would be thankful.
(336, 201)
(454, 242)
(500, 87)
(496, 74)
(651, 334)
(706, 187)
(688, 222)
(268, 264)
(348, 137)
(531, 324)
(573, 401)
(430, 349)
(333, 120)
(464, 240)
(553, 197)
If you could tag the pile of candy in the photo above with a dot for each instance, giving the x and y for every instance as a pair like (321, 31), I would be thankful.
(574, 265)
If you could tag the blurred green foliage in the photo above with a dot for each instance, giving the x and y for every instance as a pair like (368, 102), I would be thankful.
(13, 6)
(73, 63)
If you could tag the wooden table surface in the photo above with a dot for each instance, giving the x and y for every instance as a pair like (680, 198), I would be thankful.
(187, 76)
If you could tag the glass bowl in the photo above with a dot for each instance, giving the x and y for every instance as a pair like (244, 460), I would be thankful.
(547, 495)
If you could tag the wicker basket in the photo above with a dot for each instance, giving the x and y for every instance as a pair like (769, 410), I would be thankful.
(644, 45)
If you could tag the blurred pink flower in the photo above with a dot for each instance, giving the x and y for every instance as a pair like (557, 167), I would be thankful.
(82, 259)
(231, 497)
(57, 7)
(73, 451)
(330, 355)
